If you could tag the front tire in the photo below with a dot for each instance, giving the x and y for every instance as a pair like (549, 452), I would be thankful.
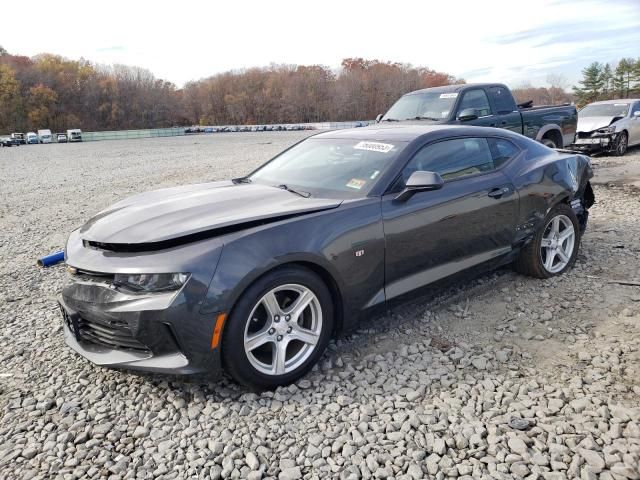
(554, 247)
(622, 143)
(278, 329)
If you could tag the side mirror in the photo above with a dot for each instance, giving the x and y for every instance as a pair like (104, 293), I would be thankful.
(420, 181)
(379, 117)
(468, 114)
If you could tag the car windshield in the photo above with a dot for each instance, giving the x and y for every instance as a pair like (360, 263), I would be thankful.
(330, 166)
(605, 110)
(435, 105)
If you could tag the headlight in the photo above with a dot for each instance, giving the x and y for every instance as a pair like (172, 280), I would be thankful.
(151, 282)
(605, 131)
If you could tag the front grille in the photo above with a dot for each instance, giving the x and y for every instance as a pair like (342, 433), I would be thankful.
(584, 134)
(108, 333)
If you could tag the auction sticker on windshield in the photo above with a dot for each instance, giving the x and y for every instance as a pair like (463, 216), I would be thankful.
(356, 183)
(374, 147)
(448, 95)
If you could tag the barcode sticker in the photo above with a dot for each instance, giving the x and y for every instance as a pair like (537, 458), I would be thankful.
(374, 147)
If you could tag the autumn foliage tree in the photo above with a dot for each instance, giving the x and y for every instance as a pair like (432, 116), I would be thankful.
(50, 91)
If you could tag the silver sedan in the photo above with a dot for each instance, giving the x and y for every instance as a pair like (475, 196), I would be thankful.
(608, 126)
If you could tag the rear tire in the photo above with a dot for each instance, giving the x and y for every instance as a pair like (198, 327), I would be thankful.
(552, 139)
(278, 329)
(554, 247)
(547, 142)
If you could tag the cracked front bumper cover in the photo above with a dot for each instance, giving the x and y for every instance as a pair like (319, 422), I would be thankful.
(158, 334)
(594, 144)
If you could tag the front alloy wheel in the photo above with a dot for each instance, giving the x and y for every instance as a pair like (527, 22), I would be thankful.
(283, 329)
(278, 329)
(621, 144)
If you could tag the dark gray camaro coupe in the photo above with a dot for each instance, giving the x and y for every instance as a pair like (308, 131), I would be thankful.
(255, 275)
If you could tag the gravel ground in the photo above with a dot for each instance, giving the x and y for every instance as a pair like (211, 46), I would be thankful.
(502, 377)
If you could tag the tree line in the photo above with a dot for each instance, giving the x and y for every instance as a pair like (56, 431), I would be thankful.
(606, 81)
(49, 91)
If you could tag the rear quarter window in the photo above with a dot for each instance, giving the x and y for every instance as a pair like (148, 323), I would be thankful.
(502, 151)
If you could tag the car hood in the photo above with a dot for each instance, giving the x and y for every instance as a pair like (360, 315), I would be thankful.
(171, 213)
(589, 124)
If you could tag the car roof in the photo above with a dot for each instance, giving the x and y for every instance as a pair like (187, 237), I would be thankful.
(619, 100)
(410, 132)
(456, 88)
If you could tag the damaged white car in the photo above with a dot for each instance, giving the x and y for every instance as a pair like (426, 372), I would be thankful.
(609, 126)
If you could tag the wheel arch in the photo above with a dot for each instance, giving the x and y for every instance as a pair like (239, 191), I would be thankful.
(325, 275)
(549, 131)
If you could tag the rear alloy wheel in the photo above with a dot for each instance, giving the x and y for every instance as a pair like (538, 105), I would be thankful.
(554, 247)
(558, 243)
(622, 143)
(279, 328)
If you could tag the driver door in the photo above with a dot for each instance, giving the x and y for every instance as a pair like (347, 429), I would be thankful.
(470, 220)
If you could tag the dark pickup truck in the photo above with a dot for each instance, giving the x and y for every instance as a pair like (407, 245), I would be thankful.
(488, 105)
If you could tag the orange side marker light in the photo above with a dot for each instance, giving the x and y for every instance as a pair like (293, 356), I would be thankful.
(217, 330)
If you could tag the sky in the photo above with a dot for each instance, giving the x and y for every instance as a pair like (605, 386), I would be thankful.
(515, 41)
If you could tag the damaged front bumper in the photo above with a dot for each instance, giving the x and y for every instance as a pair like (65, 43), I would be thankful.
(112, 330)
(590, 143)
(161, 332)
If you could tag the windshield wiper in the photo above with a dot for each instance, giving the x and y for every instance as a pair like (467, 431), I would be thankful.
(241, 180)
(423, 118)
(390, 120)
(297, 192)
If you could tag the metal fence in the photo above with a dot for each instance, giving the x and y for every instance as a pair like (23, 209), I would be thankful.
(127, 134)
(180, 131)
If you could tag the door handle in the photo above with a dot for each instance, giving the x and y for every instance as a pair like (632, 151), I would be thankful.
(504, 122)
(492, 124)
(498, 192)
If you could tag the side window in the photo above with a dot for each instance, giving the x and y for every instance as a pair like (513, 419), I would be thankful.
(476, 99)
(452, 159)
(635, 108)
(502, 100)
(502, 151)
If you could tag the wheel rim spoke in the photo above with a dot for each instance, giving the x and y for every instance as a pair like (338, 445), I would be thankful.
(306, 336)
(300, 303)
(270, 303)
(257, 340)
(551, 254)
(565, 235)
(555, 226)
(279, 358)
(563, 256)
(546, 243)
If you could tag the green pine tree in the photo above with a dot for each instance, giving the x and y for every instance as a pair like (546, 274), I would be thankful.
(626, 77)
(591, 86)
(636, 75)
(607, 81)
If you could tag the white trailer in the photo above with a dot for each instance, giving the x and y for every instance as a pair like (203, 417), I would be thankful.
(74, 135)
(44, 136)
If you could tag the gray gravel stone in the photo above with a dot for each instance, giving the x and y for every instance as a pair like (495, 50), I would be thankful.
(449, 387)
